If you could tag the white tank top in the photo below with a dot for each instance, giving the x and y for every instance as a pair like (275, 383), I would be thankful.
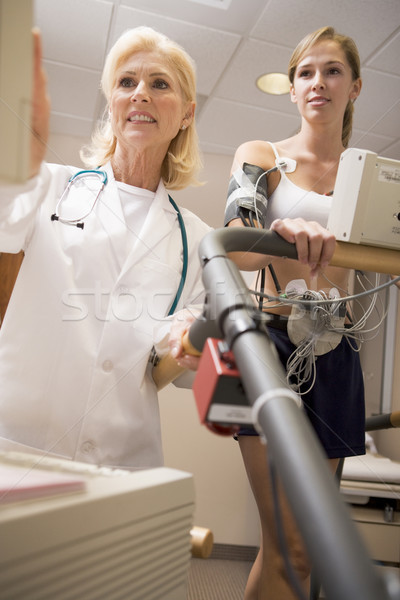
(289, 200)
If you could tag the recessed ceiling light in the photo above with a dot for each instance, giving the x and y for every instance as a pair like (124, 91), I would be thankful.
(274, 83)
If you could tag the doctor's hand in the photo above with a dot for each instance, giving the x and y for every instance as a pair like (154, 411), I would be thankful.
(179, 345)
(40, 111)
(315, 245)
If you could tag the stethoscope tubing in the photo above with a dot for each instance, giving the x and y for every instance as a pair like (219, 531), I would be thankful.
(80, 223)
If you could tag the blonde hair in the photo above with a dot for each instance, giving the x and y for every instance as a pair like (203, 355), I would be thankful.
(182, 161)
(351, 52)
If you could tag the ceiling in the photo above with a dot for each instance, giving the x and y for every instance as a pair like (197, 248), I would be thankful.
(232, 43)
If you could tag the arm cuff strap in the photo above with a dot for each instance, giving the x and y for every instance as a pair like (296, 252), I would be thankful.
(247, 189)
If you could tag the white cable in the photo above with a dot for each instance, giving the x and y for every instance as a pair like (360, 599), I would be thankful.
(341, 299)
(285, 165)
(301, 364)
(266, 173)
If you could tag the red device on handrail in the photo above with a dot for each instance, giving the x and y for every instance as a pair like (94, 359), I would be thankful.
(218, 391)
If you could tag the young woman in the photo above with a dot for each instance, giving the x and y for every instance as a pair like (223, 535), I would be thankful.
(324, 74)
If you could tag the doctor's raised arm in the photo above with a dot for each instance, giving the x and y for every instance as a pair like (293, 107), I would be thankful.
(40, 107)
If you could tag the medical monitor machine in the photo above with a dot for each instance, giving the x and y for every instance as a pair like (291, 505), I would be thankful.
(366, 200)
(16, 63)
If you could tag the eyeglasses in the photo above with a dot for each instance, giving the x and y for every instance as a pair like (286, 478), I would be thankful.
(94, 182)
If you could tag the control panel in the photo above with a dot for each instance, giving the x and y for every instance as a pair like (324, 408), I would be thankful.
(366, 200)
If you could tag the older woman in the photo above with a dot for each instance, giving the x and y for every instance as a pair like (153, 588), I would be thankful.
(104, 260)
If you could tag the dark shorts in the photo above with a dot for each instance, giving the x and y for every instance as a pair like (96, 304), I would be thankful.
(335, 404)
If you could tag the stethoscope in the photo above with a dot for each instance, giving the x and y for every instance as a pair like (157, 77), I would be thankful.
(78, 178)
(102, 177)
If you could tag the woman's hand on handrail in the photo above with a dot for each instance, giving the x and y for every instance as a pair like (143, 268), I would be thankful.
(315, 245)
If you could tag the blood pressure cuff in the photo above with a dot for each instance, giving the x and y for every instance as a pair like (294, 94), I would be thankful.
(247, 190)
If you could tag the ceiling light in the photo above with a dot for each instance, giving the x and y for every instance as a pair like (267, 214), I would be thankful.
(273, 83)
(214, 3)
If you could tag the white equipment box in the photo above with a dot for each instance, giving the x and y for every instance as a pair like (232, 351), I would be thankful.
(366, 200)
(16, 64)
(123, 535)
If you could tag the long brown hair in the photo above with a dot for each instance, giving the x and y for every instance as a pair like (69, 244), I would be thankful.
(353, 58)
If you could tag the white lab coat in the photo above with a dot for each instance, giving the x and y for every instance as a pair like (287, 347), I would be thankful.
(84, 314)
